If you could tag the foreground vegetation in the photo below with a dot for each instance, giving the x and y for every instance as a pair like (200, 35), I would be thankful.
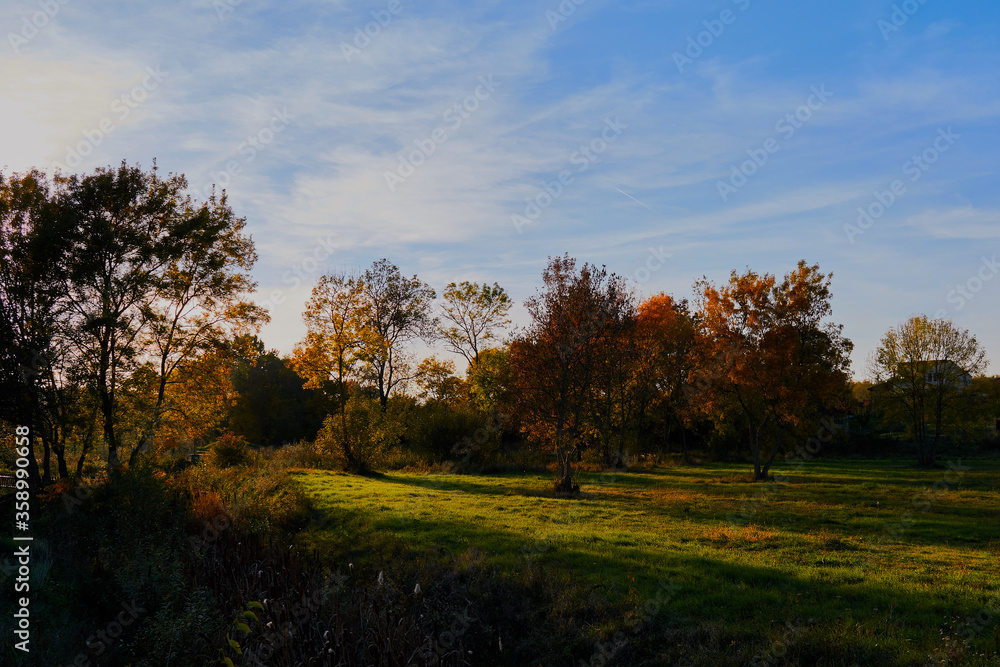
(839, 562)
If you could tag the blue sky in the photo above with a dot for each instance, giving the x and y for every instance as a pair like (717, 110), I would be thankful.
(667, 140)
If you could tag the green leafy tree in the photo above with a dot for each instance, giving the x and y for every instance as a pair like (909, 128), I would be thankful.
(363, 437)
(120, 243)
(155, 277)
(35, 364)
(922, 370)
(396, 311)
(272, 406)
(472, 316)
(489, 380)
(148, 277)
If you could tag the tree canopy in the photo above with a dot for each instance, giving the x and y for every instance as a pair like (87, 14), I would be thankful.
(575, 319)
(922, 369)
(767, 357)
(136, 274)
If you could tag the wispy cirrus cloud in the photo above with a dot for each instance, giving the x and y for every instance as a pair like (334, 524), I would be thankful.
(355, 117)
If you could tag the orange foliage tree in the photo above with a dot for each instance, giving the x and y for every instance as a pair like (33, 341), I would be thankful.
(665, 335)
(767, 355)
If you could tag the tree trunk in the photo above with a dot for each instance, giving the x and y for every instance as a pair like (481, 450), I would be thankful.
(83, 457)
(774, 452)
(108, 412)
(565, 458)
(92, 422)
(755, 449)
(46, 458)
(109, 436)
(60, 451)
(925, 450)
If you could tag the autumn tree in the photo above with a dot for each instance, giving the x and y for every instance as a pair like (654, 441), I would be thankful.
(139, 278)
(554, 362)
(438, 382)
(767, 355)
(358, 328)
(472, 315)
(333, 318)
(922, 369)
(396, 311)
(203, 393)
(154, 278)
(665, 335)
(197, 300)
(201, 397)
(620, 383)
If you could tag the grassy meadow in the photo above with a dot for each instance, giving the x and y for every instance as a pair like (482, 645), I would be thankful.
(839, 562)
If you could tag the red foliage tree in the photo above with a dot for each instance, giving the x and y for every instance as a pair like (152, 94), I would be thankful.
(554, 362)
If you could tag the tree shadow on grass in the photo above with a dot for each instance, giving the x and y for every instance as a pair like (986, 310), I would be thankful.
(745, 600)
(542, 490)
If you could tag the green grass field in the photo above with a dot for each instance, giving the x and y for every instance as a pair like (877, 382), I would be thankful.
(874, 554)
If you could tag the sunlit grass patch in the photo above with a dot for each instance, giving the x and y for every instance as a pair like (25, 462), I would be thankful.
(847, 544)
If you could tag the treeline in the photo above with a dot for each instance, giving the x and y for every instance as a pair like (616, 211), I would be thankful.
(127, 328)
(753, 367)
(109, 283)
(595, 371)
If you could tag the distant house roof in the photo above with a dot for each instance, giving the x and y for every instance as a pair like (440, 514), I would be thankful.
(938, 371)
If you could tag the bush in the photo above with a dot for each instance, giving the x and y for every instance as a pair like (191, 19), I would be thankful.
(300, 455)
(440, 432)
(258, 501)
(173, 464)
(360, 437)
(230, 450)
